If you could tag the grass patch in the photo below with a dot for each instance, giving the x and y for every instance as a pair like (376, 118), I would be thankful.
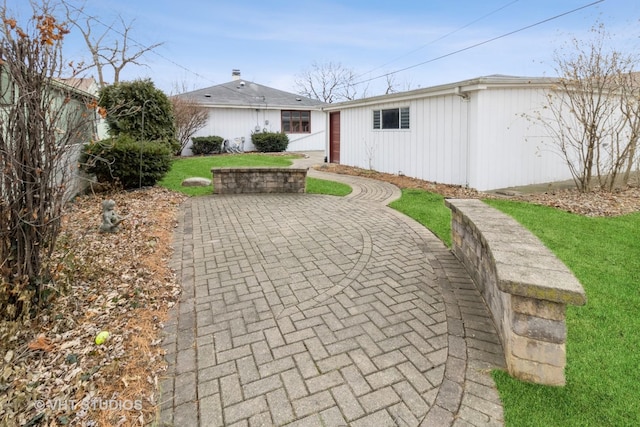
(603, 357)
(189, 167)
(603, 360)
(428, 209)
(322, 186)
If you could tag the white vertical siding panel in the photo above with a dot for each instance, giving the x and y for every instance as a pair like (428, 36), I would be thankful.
(465, 142)
(432, 136)
(448, 139)
(313, 141)
(435, 119)
(390, 150)
(445, 139)
(417, 143)
(230, 123)
(484, 142)
(473, 147)
(434, 149)
(511, 150)
(440, 134)
(459, 143)
(453, 141)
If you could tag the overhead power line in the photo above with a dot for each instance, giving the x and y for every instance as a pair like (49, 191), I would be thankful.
(440, 38)
(111, 28)
(480, 43)
(250, 98)
(120, 33)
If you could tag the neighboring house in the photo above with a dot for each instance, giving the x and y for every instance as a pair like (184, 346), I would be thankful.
(72, 97)
(90, 85)
(472, 133)
(82, 93)
(239, 108)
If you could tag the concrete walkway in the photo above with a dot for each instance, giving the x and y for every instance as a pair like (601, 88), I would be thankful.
(312, 310)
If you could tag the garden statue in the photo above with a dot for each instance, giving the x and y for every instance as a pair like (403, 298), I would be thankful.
(110, 219)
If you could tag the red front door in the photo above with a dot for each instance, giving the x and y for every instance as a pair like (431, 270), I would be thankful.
(334, 137)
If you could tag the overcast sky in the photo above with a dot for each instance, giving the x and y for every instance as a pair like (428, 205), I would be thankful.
(273, 41)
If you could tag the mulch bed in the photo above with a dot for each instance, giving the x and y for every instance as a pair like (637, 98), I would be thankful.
(53, 373)
(595, 203)
(122, 283)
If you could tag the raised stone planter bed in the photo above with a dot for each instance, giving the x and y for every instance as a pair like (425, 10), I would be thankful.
(258, 180)
(525, 286)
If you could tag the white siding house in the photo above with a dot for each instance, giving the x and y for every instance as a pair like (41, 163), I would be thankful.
(76, 123)
(90, 86)
(239, 108)
(472, 133)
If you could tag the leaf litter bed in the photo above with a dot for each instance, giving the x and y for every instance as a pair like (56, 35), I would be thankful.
(595, 203)
(53, 373)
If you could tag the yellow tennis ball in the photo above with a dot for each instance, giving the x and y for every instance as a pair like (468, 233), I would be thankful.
(102, 337)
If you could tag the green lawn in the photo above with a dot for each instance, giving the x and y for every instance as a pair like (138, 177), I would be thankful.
(322, 186)
(189, 167)
(428, 209)
(603, 348)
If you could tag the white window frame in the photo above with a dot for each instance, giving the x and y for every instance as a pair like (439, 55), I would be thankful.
(404, 118)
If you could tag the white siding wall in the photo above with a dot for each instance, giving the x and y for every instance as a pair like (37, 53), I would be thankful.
(487, 141)
(231, 123)
(507, 149)
(313, 141)
(433, 149)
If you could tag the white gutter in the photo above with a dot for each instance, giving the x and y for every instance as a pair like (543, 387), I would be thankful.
(457, 88)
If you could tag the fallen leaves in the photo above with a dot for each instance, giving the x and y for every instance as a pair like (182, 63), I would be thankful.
(53, 373)
(594, 203)
(40, 343)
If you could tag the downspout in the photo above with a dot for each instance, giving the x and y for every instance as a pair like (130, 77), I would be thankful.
(466, 98)
(468, 137)
(327, 141)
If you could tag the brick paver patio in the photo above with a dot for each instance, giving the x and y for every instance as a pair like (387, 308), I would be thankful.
(313, 310)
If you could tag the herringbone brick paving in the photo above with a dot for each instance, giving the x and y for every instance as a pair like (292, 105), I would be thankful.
(317, 310)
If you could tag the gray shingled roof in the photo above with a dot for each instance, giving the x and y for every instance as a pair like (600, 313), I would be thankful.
(249, 94)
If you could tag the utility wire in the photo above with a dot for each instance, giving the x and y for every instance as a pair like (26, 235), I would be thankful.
(439, 38)
(480, 43)
(111, 28)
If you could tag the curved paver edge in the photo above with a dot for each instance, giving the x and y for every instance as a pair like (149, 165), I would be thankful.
(467, 392)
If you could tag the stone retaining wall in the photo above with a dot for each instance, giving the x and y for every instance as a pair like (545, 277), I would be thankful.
(259, 180)
(525, 286)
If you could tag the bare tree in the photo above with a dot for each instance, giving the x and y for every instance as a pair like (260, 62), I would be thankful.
(43, 123)
(630, 86)
(392, 86)
(189, 117)
(111, 49)
(390, 81)
(328, 82)
(592, 114)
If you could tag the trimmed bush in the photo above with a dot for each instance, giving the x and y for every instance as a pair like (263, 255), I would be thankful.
(206, 144)
(128, 102)
(117, 161)
(270, 142)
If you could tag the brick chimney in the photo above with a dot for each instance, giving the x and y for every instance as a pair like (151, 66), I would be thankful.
(235, 74)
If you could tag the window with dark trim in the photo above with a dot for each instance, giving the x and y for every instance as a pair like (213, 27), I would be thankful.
(294, 121)
(392, 118)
